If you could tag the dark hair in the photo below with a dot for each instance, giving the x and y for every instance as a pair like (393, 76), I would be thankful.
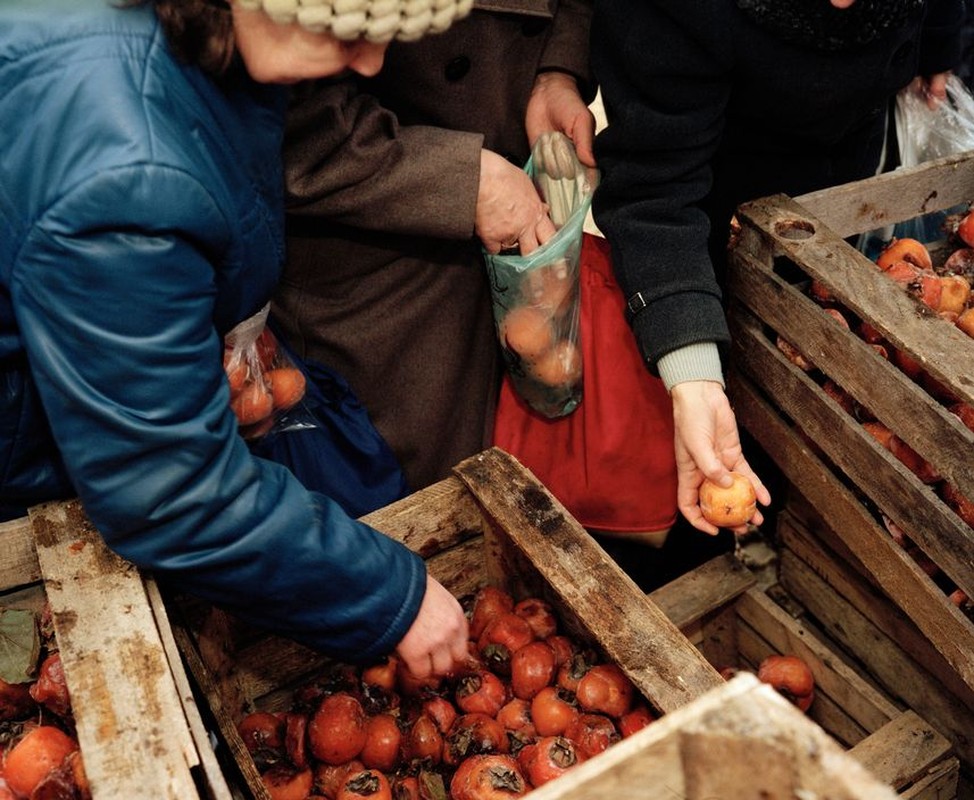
(200, 32)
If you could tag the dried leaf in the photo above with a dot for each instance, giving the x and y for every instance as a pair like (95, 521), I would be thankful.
(20, 645)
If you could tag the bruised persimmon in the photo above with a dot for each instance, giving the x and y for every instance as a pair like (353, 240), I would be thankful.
(730, 506)
(592, 734)
(905, 249)
(40, 751)
(548, 758)
(790, 676)
(366, 784)
(51, 688)
(528, 332)
(488, 777)
(605, 689)
(540, 616)
(287, 386)
(487, 604)
(262, 731)
(955, 292)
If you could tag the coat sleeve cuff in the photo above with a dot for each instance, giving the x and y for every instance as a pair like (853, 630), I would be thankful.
(695, 362)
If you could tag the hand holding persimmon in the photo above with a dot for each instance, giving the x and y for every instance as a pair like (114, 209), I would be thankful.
(728, 506)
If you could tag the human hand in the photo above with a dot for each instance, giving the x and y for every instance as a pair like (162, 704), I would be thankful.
(932, 88)
(707, 446)
(509, 209)
(556, 105)
(437, 640)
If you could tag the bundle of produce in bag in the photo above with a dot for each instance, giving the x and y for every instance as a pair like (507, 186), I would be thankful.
(536, 297)
(264, 382)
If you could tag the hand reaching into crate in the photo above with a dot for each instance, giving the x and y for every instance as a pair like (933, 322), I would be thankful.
(437, 640)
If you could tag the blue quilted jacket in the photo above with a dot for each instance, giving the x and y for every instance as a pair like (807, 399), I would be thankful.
(140, 219)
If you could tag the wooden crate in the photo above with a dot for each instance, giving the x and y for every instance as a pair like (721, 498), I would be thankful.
(824, 452)
(137, 722)
(494, 523)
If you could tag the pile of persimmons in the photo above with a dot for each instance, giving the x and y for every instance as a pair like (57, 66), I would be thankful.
(40, 757)
(529, 705)
(944, 289)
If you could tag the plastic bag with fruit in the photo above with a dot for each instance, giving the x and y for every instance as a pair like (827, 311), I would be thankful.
(924, 134)
(305, 416)
(535, 297)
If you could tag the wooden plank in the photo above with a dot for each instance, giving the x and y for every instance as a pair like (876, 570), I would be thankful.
(213, 782)
(903, 751)
(18, 558)
(918, 419)
(942, 782)
(130, 722)
(893, 197)
(887, 663)
(832, 676)
(697, 593)
(944, 625)
(739, 740)
(838, 587)
(631, 629)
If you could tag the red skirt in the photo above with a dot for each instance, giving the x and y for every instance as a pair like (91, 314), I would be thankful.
(611, 461)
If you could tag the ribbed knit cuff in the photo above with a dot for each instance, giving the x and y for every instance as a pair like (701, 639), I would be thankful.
(695, 362)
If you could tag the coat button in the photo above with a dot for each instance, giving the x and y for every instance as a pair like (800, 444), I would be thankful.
(456, 68)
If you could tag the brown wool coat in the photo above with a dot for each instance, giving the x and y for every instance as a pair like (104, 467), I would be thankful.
(384, 280)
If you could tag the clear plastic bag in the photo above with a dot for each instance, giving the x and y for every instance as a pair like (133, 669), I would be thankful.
(923, 134)
(536, 297)
(264, 383)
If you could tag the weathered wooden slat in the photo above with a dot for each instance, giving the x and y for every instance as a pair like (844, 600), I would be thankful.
(130, 721)
(629, 626)
(894, 196)
(697, 593)
(871, 468)
(903, 751)
(18, 558)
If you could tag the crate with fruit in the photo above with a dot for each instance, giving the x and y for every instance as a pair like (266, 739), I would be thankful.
(93, 703)
(853, 373)
(575, 678)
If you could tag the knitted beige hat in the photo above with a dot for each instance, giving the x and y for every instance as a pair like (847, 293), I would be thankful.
(374, 20)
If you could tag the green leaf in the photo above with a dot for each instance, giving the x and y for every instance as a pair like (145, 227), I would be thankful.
(20, 645)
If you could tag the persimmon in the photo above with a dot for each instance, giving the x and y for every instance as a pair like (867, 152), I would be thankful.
(965, 229)
(791, 677)
(563, 646)
(793, 354)
(955, 293)
(560, 365)
(481, 692)
(441, 711)
(532, 668)
(550, 288)
(328, 778)
(287, 386)
(296, 739)
(528, 332)
(37, 753)
(539, 615)
(504, 634)
(382, 675)
(965, 321)
(913, 461)
(571, 672)
(553, 710)
(592, 734)
(262, 731)
(487, 604)
(284, 782)
(516, 716)
(961, 506)
(605, 689)
(337, 731)
(424, 740)
(474, 734)
(488, 777)
(51, 688)
(635, 720)
(366, 784)
(906, 249)
(252, 404)
(730, 506)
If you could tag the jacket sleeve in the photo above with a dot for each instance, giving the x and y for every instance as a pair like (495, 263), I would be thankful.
(345, 156)
(568, 46)
(940, 45)
(665, 111)
(116, 315)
